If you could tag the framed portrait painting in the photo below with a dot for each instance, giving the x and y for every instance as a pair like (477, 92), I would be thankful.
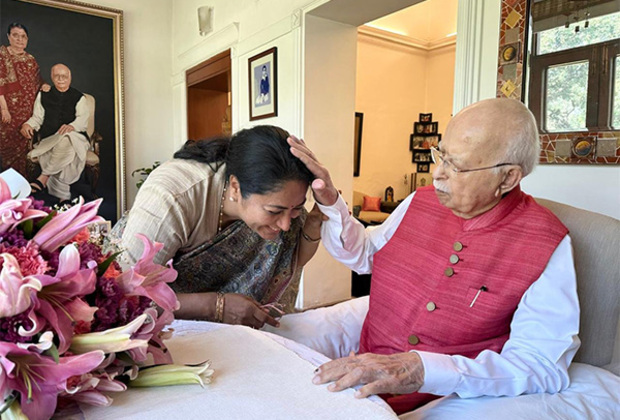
(88, 40)
(263, 84)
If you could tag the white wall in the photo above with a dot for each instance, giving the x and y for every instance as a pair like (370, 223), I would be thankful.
(329, 102)
(148, 93)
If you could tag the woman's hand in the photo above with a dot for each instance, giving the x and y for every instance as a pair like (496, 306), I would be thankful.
(324, 191)
(45, 87)
(314, 219)
(6, 116)
(240, 309)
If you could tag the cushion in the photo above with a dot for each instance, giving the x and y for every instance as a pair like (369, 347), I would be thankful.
(592, 394)
(371, 204)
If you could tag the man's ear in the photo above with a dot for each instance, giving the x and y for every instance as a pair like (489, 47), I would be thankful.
(512, 178)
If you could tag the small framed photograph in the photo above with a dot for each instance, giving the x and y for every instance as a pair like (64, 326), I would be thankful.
(431, 128)
(418, 128)
(263, 78)
(423, 180)
(418, 142)
(583, 147)
(433, 141)
(424, 167)
(510, 53)
(426, 117)
(421, 156)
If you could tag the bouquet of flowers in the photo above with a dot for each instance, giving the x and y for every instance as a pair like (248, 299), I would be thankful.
(73, 325)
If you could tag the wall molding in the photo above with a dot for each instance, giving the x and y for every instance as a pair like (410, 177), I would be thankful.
(406, 41)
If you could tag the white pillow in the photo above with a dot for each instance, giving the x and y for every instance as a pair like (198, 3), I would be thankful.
(594, 394)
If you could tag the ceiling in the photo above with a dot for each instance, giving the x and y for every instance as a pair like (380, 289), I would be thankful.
(430, 20)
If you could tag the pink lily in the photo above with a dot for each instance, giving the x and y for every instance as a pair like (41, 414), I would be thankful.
(67, 224)
(36, 378)
(148, 279)
(16, 291)
(88, 387)
(14, 211)
(59, 302)
(151, 331)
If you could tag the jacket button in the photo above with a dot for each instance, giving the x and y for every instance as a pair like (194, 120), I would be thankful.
(413, 339)
(454, 258)
(457, 246)
(449, 272)
(430, 306)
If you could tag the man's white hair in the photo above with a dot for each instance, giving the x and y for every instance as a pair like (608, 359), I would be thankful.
(523, 146)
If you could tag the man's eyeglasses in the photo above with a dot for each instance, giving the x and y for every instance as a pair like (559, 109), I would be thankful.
(438, 159)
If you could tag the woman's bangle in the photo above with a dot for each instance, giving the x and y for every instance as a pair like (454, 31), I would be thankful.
(309, 239)
(219, 308)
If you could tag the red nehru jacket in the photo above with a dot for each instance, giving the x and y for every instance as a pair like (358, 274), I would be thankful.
(426, 277)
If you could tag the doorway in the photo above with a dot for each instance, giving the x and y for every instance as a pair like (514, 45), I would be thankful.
(209, 98)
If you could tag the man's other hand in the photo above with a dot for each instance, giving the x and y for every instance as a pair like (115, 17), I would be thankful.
(27, 131)
(65, 128)
(400, 373)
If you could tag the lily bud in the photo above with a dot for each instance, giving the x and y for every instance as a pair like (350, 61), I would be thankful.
(165, 375)
(113, 340)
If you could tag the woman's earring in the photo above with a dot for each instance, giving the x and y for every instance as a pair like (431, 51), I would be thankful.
(231, 199)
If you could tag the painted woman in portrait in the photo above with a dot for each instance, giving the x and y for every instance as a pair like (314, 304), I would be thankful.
(19, 83)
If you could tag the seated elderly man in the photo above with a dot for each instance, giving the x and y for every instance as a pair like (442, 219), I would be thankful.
(473, 283)
(61, 115)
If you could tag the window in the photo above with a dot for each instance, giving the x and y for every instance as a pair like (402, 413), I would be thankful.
(574, 75)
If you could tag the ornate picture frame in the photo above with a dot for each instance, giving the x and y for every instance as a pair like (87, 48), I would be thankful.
(89, 40)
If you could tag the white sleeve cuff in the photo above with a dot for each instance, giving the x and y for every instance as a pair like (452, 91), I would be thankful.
(441, 376)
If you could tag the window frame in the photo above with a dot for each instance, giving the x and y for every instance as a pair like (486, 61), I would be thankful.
(601, 72)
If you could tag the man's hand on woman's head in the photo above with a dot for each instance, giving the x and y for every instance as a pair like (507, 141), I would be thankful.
(242, 310)
(400, 373)
(324, 191)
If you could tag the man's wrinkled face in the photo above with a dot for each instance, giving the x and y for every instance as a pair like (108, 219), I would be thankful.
(61, 77)
(466, 145)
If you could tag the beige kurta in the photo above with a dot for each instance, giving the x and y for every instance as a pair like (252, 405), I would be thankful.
(178, 205)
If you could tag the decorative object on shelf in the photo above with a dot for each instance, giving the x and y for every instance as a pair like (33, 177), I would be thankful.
(357, 143)
(389, 194)
(263, 84)
(423, 180)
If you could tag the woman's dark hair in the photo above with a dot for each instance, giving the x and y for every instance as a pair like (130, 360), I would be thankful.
(16, 25)
(259, 157)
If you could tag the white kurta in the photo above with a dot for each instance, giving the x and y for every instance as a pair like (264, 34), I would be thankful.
(62, 157)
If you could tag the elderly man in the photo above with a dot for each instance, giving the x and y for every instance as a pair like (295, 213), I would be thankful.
(61, 116)
(473, 284)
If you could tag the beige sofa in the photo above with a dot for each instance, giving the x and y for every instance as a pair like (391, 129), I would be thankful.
(595, 373)
(368, 217)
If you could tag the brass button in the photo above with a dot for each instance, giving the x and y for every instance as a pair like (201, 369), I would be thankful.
(413, 339)
(449, 272)
(454, 258)
(457, 246)
(430, 306)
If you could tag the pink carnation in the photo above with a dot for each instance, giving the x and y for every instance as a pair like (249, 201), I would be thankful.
(28, 257)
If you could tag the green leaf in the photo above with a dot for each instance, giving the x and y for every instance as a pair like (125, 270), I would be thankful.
(53, 353)
(27, 227)
(105, 264)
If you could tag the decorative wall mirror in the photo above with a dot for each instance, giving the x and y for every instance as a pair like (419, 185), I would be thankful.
(562, 59)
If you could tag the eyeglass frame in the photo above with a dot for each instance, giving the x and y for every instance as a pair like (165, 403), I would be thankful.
(436, 152)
